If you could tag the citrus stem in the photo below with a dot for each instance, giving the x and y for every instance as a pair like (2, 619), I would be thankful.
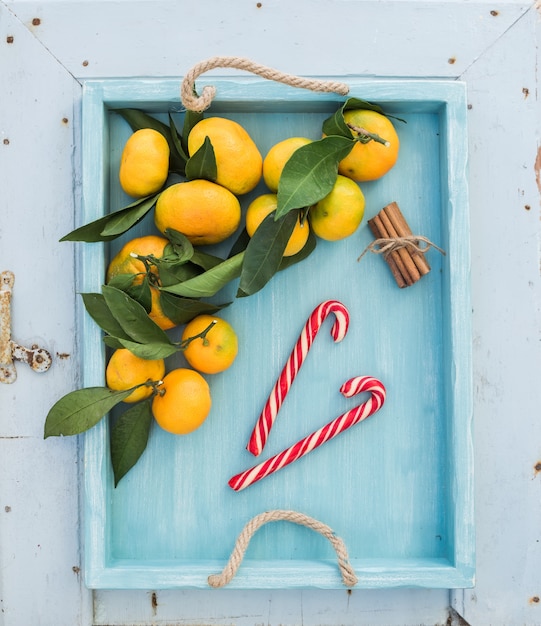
(148, 261)
(202, 335)
(365, 136)
(303, 215)
(156, 384)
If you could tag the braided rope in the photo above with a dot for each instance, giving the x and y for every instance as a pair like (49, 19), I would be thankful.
(193, 102)
(348, 574)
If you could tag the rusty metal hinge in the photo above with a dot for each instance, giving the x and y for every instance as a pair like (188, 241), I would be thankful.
(38, 358)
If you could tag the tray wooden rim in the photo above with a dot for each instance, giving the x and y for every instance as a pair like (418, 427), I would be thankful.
(103, 572)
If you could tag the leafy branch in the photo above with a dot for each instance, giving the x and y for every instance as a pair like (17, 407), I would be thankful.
(80, 410)
(184, 275)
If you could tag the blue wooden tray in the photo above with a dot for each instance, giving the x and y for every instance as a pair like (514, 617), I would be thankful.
(398, 488)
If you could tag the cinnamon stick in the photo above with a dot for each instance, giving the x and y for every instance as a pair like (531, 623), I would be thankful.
(406, 263)
(395, 216)
(394, 260)
(412, 274)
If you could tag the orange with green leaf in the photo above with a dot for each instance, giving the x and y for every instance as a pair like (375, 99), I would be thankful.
(191, 178)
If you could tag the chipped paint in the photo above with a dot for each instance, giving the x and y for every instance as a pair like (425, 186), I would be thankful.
(154, 603)
(537, 168)
(38, 358)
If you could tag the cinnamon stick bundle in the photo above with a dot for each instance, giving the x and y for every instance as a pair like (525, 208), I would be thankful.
(406, 263)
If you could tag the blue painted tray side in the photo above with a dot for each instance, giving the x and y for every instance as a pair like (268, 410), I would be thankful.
(397, 488)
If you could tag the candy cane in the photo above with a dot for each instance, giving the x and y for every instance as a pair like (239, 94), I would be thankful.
(332, 429)
(259, 435)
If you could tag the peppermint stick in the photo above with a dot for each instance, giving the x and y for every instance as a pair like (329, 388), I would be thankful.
(261, 431)
(332, 429)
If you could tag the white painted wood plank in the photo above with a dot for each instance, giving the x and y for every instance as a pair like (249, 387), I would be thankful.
(332, 608)
(501, 52)
(37, 195)
(363, 37)
(505, 210)
(40, 580)
(39, 521)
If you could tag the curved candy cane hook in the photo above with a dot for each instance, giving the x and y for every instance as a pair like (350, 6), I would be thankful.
(350, 388)
(261, 431)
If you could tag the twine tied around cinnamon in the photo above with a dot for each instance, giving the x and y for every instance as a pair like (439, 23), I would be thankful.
(193, 102)
(386, 245)
(348, 574)
(400, 248)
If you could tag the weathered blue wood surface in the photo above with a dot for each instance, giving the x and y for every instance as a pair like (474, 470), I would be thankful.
(399, 491)
(48, 49)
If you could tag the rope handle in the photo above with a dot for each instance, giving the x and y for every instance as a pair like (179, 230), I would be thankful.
(192, 102)
(226, 576)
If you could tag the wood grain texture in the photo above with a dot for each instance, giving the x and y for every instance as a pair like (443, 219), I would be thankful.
(441, 38)
(39, 491)
(494, 47)
(505, 334)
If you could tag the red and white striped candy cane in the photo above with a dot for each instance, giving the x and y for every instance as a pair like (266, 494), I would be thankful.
(259, 435)
(332, 429)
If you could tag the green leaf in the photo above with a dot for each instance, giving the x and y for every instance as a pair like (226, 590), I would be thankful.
(90, 232)
(265, 251)
(141, 293)
(99, 311)
(121, 221)
(181, 245)
(306, 251)
(129, 437)
(205, 260)
(202, 164)
(150, 350)
(132, 318)
(79, 410)
(111, 226)
(139, 119)
(241, 243)
(210, 282)
(174, 273)
(181, 310)
(191, 118)
(122, 281)
(174, 265)
(310, 173)
(171, 274)
(179, 148)
(335, 125)
(113, 342)
(186, 251)
(358, 103)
